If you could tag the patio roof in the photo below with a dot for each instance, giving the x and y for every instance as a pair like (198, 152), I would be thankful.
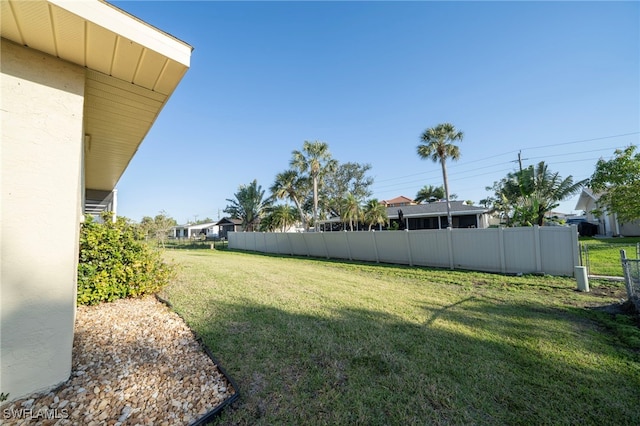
(458, 208)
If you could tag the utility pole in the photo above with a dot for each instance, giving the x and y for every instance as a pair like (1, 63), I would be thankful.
(520, 160)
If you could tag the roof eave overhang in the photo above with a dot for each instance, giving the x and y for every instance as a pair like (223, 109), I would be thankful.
(583, 200)
(132, 70)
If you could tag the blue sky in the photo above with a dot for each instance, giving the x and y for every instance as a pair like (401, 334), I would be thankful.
(559, 81)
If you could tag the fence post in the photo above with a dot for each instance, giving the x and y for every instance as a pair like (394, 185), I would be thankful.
(406, 231)
(450, 245)
(306, 244)
(586, 257)
(503, 259)
(536, 245)
(627, 275)
(326, 249)
(581, 277)
(575, 247)
(375, 245)
(290, 244)
(346, 236)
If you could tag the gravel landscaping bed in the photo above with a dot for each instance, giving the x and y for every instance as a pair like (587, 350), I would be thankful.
(134, 362)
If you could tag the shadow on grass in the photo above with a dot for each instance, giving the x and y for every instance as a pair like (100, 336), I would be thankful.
(471, 362)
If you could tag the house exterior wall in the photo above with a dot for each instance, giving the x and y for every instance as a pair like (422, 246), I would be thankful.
(42, 138)
(631, 229)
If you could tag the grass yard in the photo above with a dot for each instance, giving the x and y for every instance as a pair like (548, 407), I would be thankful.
(321, 342)
(604, 254)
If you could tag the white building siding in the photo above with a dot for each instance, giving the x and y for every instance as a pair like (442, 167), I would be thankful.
(42, 102)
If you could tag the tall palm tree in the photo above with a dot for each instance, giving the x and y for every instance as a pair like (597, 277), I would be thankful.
(375, 213)
(316, 160)
(289, 184)
(437, 144)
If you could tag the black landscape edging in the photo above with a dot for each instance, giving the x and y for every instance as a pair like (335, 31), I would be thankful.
(208, 416)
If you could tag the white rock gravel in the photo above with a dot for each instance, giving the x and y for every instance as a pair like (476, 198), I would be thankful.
(135, 362)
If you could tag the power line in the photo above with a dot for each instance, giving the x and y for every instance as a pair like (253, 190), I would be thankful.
(454, 166)
(406, 186)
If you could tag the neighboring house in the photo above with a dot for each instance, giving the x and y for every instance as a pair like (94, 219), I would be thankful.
(203, 230)
(398, 202)
(426, 216)
(82, 82)
(608, 223)
(226, 225)
(434, 215)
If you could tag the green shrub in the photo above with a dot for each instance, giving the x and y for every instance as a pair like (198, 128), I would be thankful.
(114, 264)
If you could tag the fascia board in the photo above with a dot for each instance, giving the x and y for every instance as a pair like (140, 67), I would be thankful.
(125, 25)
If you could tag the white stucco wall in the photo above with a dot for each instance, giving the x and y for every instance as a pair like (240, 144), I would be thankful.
(42, 105)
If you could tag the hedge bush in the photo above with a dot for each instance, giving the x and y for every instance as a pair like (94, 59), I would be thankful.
(115, 264)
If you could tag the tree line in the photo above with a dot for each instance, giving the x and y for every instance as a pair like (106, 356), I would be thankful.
(317, 186)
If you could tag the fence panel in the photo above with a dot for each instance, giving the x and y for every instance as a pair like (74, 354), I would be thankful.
(430, 248)
(270, 242)
(519, 250)
(558, 249)
(315, 244)
(282, 243)
(476, 251)
(260, 242)
(512, 250)
(362, 246)
(393, 247)
(298, 245)
(336, 243)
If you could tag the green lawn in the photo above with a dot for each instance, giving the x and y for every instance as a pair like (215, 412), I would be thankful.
(604, 254)
(320, 342)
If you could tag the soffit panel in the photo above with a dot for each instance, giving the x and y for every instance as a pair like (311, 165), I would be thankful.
(171, 73)
(9, 23)
(126, 58)
(99, 45)
(34, 22)
(149, 69)
(69, 35)
(116, 119)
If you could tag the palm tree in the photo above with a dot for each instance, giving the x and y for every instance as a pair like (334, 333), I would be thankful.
(249, 205)
(316, 160)
(289, 184)
(548, 188)
(375, 213)
(284, 216)
(437, 144)
(523, 197)
(429, 192)
(351, 210)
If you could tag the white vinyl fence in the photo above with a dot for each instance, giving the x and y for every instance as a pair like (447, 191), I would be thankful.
(549, 250)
